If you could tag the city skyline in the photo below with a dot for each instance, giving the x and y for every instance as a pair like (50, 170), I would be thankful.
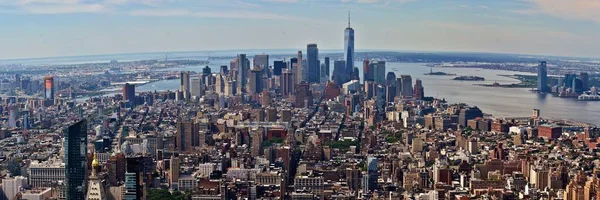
(52, 28)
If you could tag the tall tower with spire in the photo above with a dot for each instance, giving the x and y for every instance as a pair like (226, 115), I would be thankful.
(349, 47)
(95, 186)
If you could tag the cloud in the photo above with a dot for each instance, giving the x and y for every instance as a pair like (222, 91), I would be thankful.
(65, 8)
(386, 2)
(566, 9)
(213, 14)
(281, 1)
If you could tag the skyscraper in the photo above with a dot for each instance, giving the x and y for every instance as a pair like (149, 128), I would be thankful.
(243, 66)
(419, 92)
(349, 47)
(339, 72)
(542, 77)
(255, 81)
(327, 67)
(206, 76)
(262, 61)
(75, 148)
(298, 70)
(278, 67)
(314, 72)
(287, 83)
(367, 71)
(379, 69)
(390, 79)
(49, 88)
(585, 80)
(407, 89)
(129, 93)
(187, 136)
(185, 83)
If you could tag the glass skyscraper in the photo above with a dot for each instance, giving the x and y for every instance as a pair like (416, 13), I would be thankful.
(542, 77)
(314, 71)
(76, 160)
(349, 47)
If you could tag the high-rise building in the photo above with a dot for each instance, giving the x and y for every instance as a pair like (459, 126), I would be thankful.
(174, 172)
(95, 186)
(197, 88)
(585, 80)
(76, 160)
(370, 178)
(542, 77)
(243, 66)
(223, 70)
(368, 72)
(467, 114)
(206, 76)
(12, 186)
(187, 136)
(355, 75)
(379, 72)
(349, 47)
(298, 70)
(255, 81)
(49, 88)
(262, 61)
(390, 79)
(407, 89)
(419, 92)
(303, 95)
(327, 68)
(220, 84)
(339, 72)
(129, 93)
(314, 69)
(287, 83)
(184, 79)
(278, 67)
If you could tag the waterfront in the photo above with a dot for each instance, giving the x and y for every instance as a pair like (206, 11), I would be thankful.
(500, 102)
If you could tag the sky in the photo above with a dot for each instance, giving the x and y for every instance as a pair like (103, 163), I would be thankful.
(49, 28)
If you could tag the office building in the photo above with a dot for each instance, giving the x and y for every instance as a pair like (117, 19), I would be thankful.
(47, 173)
(76, 160)
(327, 68)
(196, 87)
(298, 70)
(129, 93)
(186, 137)
(390, 79)
(278, 67)
(243, 66)
(368, 72)
(223, 70)
(370, 182)
(262, 62)
(419, 91)
(287, 83)
(12, 186)
(314, 69)
(585, 81)
(339, 72)
(542, 77)
(466, 114)
(49, 88)
(95, 186)
(206, 76)
(184, 79)
(349, 48)
(407, 89)
(220, 84)
(255, 81)
(303, 96)
(174, 169)
(379, 72)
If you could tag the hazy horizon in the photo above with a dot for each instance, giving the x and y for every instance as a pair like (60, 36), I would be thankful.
(59, 28)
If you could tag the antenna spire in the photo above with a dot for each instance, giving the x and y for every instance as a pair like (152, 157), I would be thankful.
(348, 19)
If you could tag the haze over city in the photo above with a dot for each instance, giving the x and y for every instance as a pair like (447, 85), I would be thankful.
(48, 28)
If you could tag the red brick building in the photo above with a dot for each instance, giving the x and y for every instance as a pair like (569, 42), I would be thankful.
(549, 131)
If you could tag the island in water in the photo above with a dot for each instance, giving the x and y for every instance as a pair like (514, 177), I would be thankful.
(469, 78)
(432, 73)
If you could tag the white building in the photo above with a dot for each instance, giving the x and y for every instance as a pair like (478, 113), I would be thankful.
(46, 174)
(12, 186)
(353, 85)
